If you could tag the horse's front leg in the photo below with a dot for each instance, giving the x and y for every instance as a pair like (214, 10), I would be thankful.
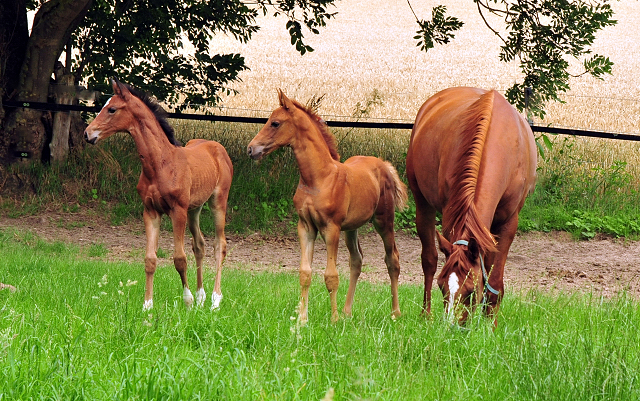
(495, 266)
(307, 234)
(152, 230)
(331, 236)
(179, 221)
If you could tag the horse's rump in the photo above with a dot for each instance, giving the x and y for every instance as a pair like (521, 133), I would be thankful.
(382, 174)
(457, 150)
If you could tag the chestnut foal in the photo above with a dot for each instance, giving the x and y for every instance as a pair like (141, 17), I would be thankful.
(175, 180)
(333, 197)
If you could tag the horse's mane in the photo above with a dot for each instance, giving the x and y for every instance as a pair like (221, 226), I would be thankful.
(157, 110)
(463, 221)
(322, 126)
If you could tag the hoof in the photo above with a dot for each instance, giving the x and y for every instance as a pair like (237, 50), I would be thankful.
(188, 298)
(201, 296)
(215, 300)
(148, 304)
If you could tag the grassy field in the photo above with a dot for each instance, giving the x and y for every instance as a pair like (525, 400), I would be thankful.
(76, 330)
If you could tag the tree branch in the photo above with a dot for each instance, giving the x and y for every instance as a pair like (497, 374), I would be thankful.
(495, 32)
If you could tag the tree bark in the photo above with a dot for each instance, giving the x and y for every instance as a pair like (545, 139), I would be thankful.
(24, 131)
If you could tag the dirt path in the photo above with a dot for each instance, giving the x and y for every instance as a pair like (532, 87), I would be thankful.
(548, 261)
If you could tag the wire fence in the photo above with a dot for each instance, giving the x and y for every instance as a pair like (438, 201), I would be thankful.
(393, 124)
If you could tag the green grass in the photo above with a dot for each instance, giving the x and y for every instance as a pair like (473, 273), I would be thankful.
(583, 187)
(584, 197)
(76, 330)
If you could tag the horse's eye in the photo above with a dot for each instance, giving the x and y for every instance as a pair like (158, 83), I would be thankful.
(112, 110)
(275, 124)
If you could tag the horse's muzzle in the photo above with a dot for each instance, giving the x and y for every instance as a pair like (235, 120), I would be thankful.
(92, 140)
(255, 152)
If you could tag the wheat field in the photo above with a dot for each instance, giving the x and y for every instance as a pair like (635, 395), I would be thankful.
(368, 49)
(369, 46)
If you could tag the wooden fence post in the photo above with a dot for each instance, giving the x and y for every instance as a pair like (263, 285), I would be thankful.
(64, 92)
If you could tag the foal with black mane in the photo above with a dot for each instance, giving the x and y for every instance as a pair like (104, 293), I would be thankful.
(333, 197)
(175, 180)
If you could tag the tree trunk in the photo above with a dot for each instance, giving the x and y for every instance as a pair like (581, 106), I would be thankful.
(14, 34)
(24, 131)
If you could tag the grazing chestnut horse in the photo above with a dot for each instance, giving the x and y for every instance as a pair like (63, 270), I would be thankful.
(472, 157)
(175, 180)
(333, 197)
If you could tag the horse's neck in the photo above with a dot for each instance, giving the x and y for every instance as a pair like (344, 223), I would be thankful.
(313, 156)
(153, 147)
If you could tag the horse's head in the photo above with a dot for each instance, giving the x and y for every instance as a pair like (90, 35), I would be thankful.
(279, 131)
(114, 116)
(461, 277)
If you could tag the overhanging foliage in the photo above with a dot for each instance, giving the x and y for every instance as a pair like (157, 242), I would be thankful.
(542, 34)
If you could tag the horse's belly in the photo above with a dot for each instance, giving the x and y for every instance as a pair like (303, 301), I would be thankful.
(360, 212)
(203, 184)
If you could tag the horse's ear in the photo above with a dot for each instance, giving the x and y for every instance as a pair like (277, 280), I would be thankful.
(444, 244)
(473, 249)
(119, 89)
(285, 102)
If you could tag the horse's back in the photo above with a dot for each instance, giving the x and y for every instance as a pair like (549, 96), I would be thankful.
(208, 152)
(366, 173)
(507, 165)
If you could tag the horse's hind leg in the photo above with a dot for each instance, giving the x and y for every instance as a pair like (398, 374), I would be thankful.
(197, 244)
(355, 267)
(218, 205)
(383, 223)
(179, 220)
(152, 230)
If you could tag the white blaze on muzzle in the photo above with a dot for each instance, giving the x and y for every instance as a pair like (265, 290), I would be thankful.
(453, 289)
(92, 134)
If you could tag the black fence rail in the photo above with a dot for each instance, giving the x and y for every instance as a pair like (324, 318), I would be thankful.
(341, 124)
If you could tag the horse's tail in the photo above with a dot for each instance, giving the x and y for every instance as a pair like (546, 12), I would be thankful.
(400, 196)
